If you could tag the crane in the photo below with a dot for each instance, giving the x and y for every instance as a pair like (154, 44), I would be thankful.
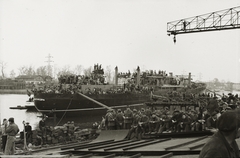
(215, 21)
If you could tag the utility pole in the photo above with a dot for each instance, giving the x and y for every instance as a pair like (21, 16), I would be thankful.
(49, 67)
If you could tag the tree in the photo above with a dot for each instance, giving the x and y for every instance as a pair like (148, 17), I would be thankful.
(3, 66)
(88, 71)
(42, 71)
(12, 74)
(78, 69)
(26, 70)
(65, 71)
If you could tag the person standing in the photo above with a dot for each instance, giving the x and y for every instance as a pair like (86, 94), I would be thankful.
(42, 127)
(28, 130)
(11, 132)
(223, 144)
(4, 135)
(119, 119)
(128, 115)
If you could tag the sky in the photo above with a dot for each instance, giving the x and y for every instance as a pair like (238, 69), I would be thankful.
(123, 33)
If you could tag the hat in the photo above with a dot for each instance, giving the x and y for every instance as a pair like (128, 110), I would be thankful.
(214, 113)
(134, 110)
(68, 122)
(27, 122)
(11, 119)
(193, 111)
(72, 122)
(228, 108)
(228, 121)
(119, 110)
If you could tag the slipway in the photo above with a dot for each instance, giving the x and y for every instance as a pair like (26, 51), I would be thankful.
(112, 135)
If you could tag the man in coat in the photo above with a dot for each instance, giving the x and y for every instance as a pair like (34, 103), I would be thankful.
(11, 132)
(223, 144)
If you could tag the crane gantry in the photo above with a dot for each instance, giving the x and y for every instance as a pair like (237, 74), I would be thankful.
(215, 21)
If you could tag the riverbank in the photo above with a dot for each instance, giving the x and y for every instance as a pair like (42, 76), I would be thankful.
(13, 91)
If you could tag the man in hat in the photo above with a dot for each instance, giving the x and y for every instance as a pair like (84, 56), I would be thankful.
(110, 119)
(184, 124)
(195, 125)
(142, 125)
(42, 127)
(71, 128)
(165, 120)
(154, 123)
(223, 144)
(119, 119)
(11, 132)
(133, 129)
(211, 123)
(212, 106)
(128, 115)
(28, 130)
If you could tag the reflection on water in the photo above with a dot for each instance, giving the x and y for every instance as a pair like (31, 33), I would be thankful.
(13, 100)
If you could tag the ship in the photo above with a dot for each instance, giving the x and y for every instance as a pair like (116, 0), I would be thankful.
(91, 96)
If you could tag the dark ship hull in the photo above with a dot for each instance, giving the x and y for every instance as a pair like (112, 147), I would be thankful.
(75, 104)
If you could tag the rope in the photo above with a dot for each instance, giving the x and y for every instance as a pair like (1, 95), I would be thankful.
(65, 112)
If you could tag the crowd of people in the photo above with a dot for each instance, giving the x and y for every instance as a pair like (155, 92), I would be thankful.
(42, 136)
(162, 119)
(49, 134)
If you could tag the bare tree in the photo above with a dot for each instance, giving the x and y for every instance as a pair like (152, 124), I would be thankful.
(78, 69)
(3, 66)
(65, 71)
(12, 74)
(31, 71)
(26, 70)
(42, 71)
(88, 71)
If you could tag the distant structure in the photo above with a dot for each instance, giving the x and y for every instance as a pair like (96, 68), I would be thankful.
(49, 66)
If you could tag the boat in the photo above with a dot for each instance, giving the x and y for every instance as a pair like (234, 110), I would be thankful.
(29, 105)
(82, 95)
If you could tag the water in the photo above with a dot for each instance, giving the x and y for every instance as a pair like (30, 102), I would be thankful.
(13, 100)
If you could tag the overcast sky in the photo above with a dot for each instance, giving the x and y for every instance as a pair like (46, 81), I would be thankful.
(123, 33)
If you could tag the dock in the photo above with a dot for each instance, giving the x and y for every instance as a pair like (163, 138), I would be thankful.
(116, 145)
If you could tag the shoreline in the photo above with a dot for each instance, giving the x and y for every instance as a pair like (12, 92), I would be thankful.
(13, 91)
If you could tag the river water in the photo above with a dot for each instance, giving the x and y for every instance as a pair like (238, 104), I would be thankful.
(13, 100)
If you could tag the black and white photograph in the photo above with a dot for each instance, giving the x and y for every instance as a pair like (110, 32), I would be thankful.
(120, 78)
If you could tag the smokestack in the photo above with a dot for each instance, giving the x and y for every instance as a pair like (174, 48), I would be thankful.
(189, 79)
(116, 75)
(138, 75)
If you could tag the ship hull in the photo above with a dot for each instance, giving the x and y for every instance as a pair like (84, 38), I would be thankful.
(75, 103)
(77, 106)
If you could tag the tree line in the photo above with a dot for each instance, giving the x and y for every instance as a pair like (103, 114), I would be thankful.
(50, 71)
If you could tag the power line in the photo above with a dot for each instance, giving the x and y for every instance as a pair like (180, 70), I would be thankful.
(49, 67)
